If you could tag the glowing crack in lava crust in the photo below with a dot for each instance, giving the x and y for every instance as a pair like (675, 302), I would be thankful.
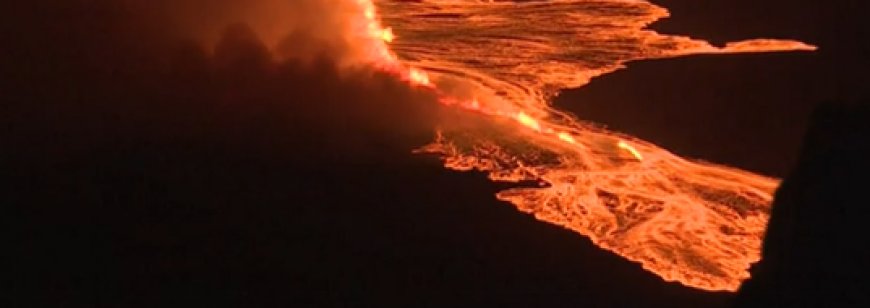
(694, 222)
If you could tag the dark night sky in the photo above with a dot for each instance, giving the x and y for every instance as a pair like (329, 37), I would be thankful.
(144, 171)
(744, 110)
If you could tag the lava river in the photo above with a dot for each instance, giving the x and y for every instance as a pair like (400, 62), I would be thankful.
(697, 223)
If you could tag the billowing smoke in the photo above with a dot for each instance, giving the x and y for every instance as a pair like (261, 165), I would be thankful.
(280, 24)
(90, 74)
(124, 116)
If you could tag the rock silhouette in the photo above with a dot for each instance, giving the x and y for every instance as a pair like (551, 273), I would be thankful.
(816, 249)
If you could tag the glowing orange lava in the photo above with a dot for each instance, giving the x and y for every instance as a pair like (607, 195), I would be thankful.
(694, 222)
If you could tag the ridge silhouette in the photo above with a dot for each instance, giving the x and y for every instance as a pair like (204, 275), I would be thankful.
(816, 250)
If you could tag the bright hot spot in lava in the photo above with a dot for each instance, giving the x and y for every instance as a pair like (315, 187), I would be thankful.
(697, 223)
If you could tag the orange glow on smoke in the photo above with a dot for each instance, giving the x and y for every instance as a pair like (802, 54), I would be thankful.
(697, 223)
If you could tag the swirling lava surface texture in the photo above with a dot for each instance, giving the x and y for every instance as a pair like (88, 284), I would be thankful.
(697, 223)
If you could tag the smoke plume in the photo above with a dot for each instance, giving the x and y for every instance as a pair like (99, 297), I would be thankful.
(88, 74)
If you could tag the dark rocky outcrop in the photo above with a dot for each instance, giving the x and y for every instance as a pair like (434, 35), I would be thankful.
(816, 252)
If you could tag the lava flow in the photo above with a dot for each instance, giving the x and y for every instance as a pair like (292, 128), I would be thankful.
(693, 222)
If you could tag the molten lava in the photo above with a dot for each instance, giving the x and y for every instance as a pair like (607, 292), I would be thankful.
(694, 222)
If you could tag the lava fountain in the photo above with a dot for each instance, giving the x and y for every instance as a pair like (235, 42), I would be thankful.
(697, 223)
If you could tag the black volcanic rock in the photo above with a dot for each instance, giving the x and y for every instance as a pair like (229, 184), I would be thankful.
(144, 171)
(164, 175)
(816, 250)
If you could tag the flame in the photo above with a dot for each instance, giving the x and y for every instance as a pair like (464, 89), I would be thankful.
(387, 35)
(418, 77)
(566, 137)
(474, 104)
(634, 152)
(528, 121)
(378, 54)
(697, 223)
